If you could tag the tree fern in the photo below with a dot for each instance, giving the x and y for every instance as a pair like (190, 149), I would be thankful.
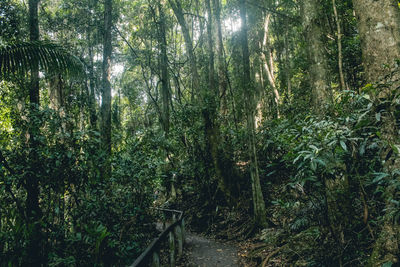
(20, 58)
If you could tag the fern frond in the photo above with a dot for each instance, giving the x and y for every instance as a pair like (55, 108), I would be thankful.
(20, 58)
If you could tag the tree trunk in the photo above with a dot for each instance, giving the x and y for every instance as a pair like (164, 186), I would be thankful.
(92, 83)
(33, 211)
(210, 114)
(248, 90)
(177, 8)
(165, 85)
(222, 79)
(380, 43)
(339, 45)
(106, 90)
(268, 62)
(318, 66)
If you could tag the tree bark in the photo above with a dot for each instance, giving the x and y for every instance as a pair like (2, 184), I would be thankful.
(248, 90)
(380, 43)
(318, 66)
(92, 83)
(210, 42)
(165, 85)
(222, 79)
(339, 45)
(106, 90)
(268, 62)
(177, 8)
(33, 210)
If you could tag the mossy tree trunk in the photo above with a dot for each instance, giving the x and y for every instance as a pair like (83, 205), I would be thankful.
(318, 63)
(379, 27)
(249, 93)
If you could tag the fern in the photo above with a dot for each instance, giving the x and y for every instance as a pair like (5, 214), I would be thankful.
(20, 58)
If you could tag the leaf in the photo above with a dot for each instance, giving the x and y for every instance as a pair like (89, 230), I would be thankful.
(22, 57)
(362, 149)
(396, 148)
(343, 145)
(379, 176)
(321, 162)
(313, 166)
(387, 264)
(378, 116)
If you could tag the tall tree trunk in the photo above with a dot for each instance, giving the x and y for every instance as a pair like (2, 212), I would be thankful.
(92, 82)
(210, 42)
(380, 43)
(222, 78)
(33, 211)
(339, 45)
(177, 8)
(106, 90)
(249, 91)
(210, 114)
(318, 64)
(268, 61)
(165, 85)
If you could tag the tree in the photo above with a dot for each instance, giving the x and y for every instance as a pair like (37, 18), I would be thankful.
(177, 8)
(106, 89)
(33, 210)
(248, 91)
(380, 42)
(165, 86)
(318, 65)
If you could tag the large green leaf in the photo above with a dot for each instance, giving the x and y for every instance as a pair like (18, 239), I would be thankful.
(20, 58)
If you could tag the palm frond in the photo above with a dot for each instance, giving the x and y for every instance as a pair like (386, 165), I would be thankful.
(20, 58)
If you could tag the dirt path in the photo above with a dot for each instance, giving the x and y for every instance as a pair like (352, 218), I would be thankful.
(209, 253)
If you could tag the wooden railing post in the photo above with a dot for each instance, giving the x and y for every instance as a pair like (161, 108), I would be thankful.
(175, 232)
(179, 238)
(183, 231)
(156, 260)
(172, 249)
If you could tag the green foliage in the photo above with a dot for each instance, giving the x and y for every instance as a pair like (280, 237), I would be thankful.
(19, 58)
(316, 166)
(87, 221)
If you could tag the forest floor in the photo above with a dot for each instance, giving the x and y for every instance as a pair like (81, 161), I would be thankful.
(206, 252)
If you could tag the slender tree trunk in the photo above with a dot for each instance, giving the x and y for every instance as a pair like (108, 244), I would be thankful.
(222, 79)
(56, 92)
(210, 42)
(248, 90)
(268, 61)
(288, 69)
(177, 8)
(209, 113)
(33, 210)
(339, 45)
(380, 43)
(318, 64)
(92, 83)
(106, 90)
(165, 85)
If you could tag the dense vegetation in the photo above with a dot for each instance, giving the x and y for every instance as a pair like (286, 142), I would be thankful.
(270, 119)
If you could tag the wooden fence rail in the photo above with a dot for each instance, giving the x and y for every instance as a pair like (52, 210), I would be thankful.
(174, 233)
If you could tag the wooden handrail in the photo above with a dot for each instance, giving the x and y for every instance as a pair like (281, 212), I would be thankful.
(175, 229)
